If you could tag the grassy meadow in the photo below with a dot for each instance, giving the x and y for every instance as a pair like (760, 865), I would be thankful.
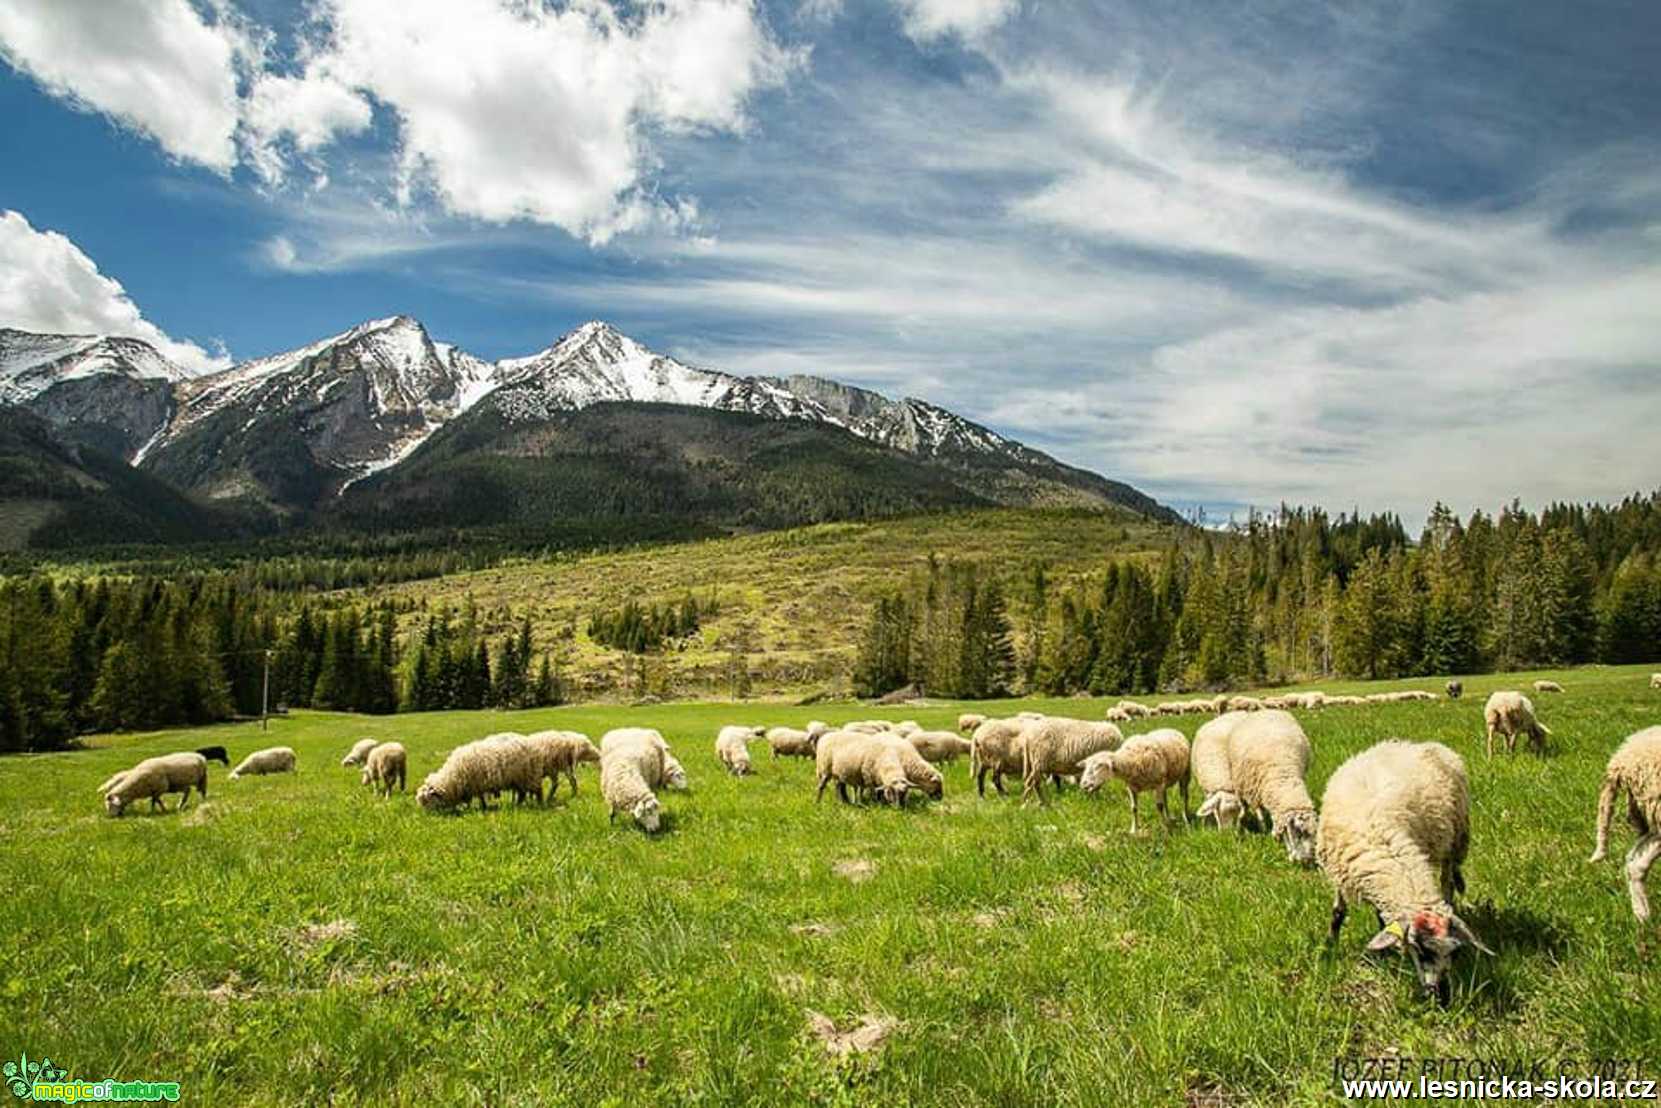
(295, 940)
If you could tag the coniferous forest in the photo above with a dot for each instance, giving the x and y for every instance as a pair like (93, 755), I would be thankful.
(1293, 595)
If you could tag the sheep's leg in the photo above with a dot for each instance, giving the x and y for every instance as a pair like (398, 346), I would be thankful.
(980, 781)
(1160, 803)
(998, 783)
(1056, 777)
(1490, 740)
(1638, 861)
(1511, 742)
(842, 792)
(572, 775)
(1132, 793)
(1339, 911)
(1182, 788)
(820, 795)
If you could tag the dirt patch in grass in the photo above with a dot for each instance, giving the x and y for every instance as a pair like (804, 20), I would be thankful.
(203, 813)
(314, 935)
(855, 870)
(866, 1036)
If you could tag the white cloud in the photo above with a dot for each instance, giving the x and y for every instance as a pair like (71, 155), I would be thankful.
(308, 110)
(932, 19)
(47, 284)
(156, 66)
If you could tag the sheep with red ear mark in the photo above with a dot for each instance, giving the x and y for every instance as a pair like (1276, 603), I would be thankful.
(1394, 830)
(1509, 714)
(1636, 768)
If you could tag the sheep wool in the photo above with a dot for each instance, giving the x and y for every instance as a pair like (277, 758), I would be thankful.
(1510, 714)
(274, 759)
(862, 762)
(788, 742)
(1057, 747)
(360, 751)
(1269, 756)
(732, 747)
(995, 748)
(631, 759)
(968, 721)
(1634, 768)
(154, 778)
(480, 770)
(1394, 830)
(1145, 763)
(1547, 686)
(385, 767)
(939, 746)
(556, 753)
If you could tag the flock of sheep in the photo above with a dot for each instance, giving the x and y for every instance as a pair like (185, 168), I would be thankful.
(1392, 830)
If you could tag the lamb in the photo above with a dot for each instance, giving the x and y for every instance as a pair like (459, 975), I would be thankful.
(631, 759)
(1151, 762)
(1256, 762)
(787, 742)
(1636, 768)
(1058, 747)
(968, 721)
(1547, 686)
(386, 764)
(1512, 714)
(154, 778)
(939, 746)
(860, 761)
(996, 749)
(1456, 689)
(559, 752)
(1395, 826)
(732, 746)
(360, 751)
(274, 759)
(215, 754)
(481, 770)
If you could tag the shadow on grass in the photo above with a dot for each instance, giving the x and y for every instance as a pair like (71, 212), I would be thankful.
(1514, 927)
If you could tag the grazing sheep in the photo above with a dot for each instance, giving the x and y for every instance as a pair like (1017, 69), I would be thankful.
(918, 772)
(215, 754)
(631, 760)
(869, 726)
(559, 752)
(1511, 714)
(859, 761)
(360, 750)
(674, 774)
(939, 746)
(480, 770)
(1134, 710)
(1169, 708)
(1256, 762)
(1117, 715)
(968, 721)
(274, 759)
(1344, 701)
(1456, 689)
(1279, 703)
(1151, 762)
(1636, 768)
(995, 748)
(906, 727)
(1547, 686)
(1315, 699)
(732, 746)
(385, 766)
(154, 778)
(1057, 747)
(1209, 759)
(787, 742)
(1395, 825)
(1243, 704)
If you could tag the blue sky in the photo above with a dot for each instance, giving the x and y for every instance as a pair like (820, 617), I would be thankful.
(1328, 253)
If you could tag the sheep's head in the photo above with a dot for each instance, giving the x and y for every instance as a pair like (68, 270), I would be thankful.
(587, 752)
(674, 775)
(894, 793)
(1224, 807)
(933, 786)
(1098, 771)
(114, 802)
(1296, 832)
(646, 813)
(1431, 939)
(431, 797)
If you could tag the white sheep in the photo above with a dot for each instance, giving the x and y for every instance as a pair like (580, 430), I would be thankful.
(968, 721)
(1394, 829)
(1636, 768)
(631, 761)
(1256, 762)
(557, 753)
(481, 770)
(788, 742)
(1152, 762)
(1547, 686)
(939, 746)
(273, 759)
(1134, 710)
(919, 773)
(995, 748)
(860, 761)
(906, 727)
(1243, 704)
(154, 778)
(359, 752)
(732, 747)
(1116, 715)
(1655, 680)
(1511, 714)
(1057, 748)
(385, 766)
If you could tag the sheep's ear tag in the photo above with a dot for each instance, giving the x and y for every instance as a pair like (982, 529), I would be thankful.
(1392, 936)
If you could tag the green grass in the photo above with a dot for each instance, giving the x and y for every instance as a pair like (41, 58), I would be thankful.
(1031, 955)
(804, 594)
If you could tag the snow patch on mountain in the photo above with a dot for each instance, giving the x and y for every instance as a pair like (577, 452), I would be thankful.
(30, 364)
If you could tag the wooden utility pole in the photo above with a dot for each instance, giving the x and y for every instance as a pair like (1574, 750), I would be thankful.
(265, 695)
